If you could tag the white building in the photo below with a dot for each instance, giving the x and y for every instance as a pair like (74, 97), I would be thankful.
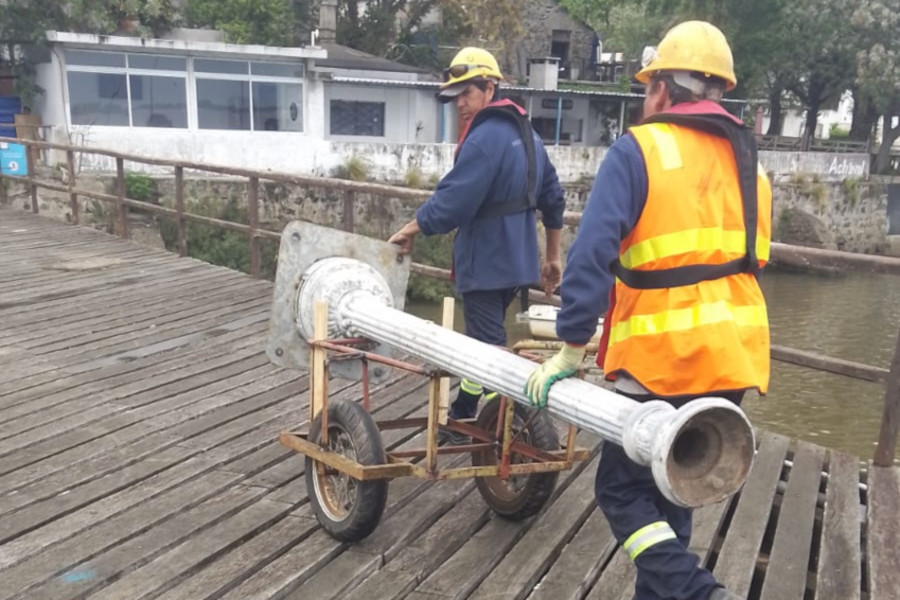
(303, 110)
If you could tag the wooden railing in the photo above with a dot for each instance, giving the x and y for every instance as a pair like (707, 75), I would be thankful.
(795, 144)
(890, 378)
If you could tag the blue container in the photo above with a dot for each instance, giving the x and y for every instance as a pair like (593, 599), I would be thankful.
(10, 106)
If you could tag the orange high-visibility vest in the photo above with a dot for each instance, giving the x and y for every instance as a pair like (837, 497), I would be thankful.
(702, 337)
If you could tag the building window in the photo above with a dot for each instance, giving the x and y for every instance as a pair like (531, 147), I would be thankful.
(147, 90)
(249, 95)
(98, 99)
(357, 118)
(222, 104)
(141, 90)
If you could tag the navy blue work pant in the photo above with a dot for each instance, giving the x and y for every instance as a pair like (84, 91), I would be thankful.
(628, 496)
(485, 313)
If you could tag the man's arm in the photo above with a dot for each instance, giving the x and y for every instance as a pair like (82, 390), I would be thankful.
(613, 208)
(552, 204)
(551, 272)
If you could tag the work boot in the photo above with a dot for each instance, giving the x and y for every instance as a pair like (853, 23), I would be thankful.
(723, 594)
(464, 407)
(446, 437)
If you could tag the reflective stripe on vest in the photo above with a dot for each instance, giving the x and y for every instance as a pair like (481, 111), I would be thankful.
(691, 240)
(645, 537)
(684, 319)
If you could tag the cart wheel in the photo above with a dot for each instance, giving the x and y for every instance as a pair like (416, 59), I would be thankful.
(345, 507)
(520, 496)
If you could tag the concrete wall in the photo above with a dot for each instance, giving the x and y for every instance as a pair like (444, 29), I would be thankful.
(302, 153)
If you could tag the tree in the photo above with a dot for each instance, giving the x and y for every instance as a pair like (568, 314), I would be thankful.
(22, 28)
(23, 24)
(878, 64)
(821, 67)
(269, 22)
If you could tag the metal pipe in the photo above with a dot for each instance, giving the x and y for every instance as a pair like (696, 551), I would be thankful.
(699, 454)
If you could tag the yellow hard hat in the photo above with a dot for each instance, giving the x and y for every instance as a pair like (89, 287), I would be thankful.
(695, 46)
(469, 63)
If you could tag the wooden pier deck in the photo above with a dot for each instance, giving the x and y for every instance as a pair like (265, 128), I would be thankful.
(138, 460)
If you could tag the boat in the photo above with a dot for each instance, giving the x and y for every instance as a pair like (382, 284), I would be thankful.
(542, 322)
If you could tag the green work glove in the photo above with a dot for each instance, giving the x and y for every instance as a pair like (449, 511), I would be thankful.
(562, 365)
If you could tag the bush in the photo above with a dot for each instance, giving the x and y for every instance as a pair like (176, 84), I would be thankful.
(437, 251)
(140, 187)
(355, 168)
(216, 245)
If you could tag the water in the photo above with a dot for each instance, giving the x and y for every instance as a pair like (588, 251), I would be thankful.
(855, 317)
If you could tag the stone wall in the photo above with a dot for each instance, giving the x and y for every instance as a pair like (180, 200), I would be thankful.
(850, 215)
(541, 17)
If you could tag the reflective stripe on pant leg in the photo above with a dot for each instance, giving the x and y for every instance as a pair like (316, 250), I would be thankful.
(470, 387)
(488, 396)
(648, 536)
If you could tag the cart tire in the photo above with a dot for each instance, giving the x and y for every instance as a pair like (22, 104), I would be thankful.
(519, 496)
(345, 507)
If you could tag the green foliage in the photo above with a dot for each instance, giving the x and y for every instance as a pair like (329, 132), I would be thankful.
(836, 132)
(139, 186)
(355, 168)
(216, 245)
(24, 23)
(437, 251)
(851, 191)
(267, 22)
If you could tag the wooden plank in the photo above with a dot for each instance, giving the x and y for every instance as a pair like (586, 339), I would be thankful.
(737, 558)
(65, 554)
(110, 314)
(109, 566)
(526, 562)
(50, 397)
(789, 560)
(245, 559)
(160, 574)
(838, 574)
(61, 485)
(105, 414)
(883, 533)
(219, 416)
(463, 572)
(580, 562)
(426, 553)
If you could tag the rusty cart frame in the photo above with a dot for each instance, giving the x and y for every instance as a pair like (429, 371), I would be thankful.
(343, 474)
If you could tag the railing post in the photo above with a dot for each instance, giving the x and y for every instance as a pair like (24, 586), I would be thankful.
(349, 206)
(29, 160)
(253, 217)
(73, 197)
(4, 196)
(120, 192)
(179, 209)
(890, 419)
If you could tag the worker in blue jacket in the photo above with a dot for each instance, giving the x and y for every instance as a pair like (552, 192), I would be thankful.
(501, 175)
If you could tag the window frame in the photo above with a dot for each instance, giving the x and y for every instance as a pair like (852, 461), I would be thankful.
(190, 76)
(128, 72)
(249, 78)
(384, 118)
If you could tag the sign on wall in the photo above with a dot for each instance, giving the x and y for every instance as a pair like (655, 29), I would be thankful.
(13, 160)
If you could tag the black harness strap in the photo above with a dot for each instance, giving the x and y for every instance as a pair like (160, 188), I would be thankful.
(744, 146)
(529, 201)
